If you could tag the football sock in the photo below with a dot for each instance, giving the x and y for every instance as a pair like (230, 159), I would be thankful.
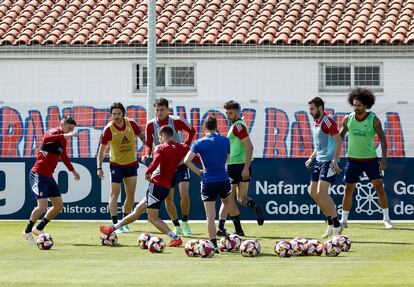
(176, 222)
(236, 222)
(117, 225)
(185, 218)
(214, 241)
(330, 221)
(172, 235)
(29, 227)
(385, 214)
(221, 224)
(114, 219)
(336, 222)
(42, 224)
(344, 216)
(250, 203)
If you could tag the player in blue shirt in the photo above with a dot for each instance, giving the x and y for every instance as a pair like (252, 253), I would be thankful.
(213, 150)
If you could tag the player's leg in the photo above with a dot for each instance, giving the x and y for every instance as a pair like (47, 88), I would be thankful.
(172, 211)
(113, 201)
(210, 208)
(130, 184)
(133, 216)
(185, 206)
(352, 173)
(37, 212)
(57, 206)
(327, 205)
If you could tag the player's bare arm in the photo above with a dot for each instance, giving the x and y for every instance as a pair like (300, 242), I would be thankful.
(344, 128)
(308, 163)
(249, 155)
(338, 145)
(101, 156)
(383, 142)
(188, 162)
(141, 137)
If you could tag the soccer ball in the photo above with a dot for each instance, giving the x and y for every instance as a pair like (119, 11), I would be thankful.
(156, 245)
(283, 248)
(143, 240)
(331, 248)
(191, 248)
(44, 241)
(314, 247)
(237, 240)
(250, 248)
(109, 240)
(298, 247)
(227, 244)
(205, 249)
(304, 241)
(343, 241)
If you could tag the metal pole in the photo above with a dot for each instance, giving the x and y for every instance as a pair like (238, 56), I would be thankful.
(151, 58)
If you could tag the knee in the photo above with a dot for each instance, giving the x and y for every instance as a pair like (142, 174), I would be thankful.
(152, 218)
(114, 196)
(41, 209)
(169, 200)
(58, 206)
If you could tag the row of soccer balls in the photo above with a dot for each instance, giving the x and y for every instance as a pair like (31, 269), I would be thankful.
(248, 248)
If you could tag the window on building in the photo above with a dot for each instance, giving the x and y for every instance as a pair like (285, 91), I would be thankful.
(342, 77)
(170, 78)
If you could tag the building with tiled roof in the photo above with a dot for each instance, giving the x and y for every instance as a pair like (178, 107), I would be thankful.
(212, 22)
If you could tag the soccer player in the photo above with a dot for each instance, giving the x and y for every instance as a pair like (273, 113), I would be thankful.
(361, 126)
(328, 145)
(213, 150)
(182, 177)
(160, 173)
(120, 133)
(43, 186)
(238, 167)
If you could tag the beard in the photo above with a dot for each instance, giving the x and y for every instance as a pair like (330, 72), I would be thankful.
(316, 115)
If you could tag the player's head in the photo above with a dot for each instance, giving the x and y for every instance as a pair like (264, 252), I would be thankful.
(316, 107)
(165, 133)
(361, 99)
(211, 124)
(67, 124)
(117, 112)
(161, 108)
(232, 110)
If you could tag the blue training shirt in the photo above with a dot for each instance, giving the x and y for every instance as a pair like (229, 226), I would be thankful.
(213, 150)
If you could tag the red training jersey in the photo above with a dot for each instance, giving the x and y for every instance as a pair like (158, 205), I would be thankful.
(328, 125)
(167, 158)
(53, 148)
(179, 125)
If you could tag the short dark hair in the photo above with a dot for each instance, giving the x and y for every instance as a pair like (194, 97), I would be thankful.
(67, 120)
(318, 102)
(118, 106)
(163, 102)
(365, 96)
(232, 105)
(210, 123)
(166, 131)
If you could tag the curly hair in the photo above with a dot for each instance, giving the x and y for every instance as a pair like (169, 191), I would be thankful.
(365, 96)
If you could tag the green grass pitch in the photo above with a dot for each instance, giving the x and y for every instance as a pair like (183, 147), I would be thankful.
(378, 257)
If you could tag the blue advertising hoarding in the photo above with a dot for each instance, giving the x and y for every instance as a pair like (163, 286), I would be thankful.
(279, 185)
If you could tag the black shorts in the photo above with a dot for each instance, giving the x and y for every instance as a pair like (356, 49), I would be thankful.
(210, 190)
(235, 173)
(354, 169)
(323, 170)
(43, 186)
(181, 175)
(156, 195)
(118, 173)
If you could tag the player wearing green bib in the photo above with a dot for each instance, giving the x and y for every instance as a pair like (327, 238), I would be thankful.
(361, 126)
(238, 168)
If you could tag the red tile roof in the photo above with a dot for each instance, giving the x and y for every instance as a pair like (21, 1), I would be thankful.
(200, 22)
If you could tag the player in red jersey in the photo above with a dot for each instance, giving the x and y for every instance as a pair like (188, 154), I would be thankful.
(160, 173)
(182, 176)
(41, 180)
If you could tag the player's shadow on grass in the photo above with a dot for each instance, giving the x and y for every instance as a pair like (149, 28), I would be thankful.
(381, 242)
(98, 245)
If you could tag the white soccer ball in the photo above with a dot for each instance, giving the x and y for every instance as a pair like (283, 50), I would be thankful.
(237, 240)
(156, 244)
(343, 242)
(143, 240)
(191, 248)
(205, 249)
(109, 240)
(283, 248)
(44, 241)
(250, 248)
(298, 247)
(331, 248)
(226, 244)
(314, 247)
